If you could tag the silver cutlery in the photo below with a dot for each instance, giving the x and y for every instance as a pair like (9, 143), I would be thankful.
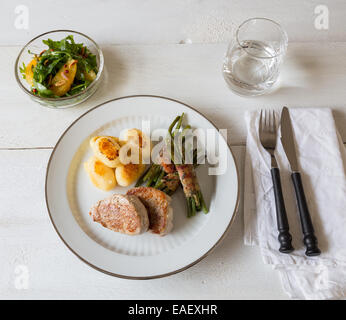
(268, 137)
(287, 140)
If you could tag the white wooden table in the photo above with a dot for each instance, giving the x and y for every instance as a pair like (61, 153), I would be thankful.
(314, 74)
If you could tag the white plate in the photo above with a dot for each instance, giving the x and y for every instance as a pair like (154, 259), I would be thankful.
(70, 194)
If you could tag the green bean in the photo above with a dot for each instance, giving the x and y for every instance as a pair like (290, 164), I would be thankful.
(149, 172)
(152, 177)
(141, 179)
(159, 179)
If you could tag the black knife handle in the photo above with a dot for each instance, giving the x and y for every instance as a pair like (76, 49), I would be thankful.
(284, 237)
(310, 239)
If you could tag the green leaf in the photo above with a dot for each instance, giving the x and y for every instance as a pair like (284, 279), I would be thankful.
(42, 90)
(22, 70)
(51, 60)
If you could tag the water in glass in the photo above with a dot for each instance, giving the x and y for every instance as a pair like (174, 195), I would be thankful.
(252, 63)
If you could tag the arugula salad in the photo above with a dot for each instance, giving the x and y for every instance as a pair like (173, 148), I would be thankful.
(64, 69)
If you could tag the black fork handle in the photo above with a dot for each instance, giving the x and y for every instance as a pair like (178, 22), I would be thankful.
(284, 237)
(310, 239)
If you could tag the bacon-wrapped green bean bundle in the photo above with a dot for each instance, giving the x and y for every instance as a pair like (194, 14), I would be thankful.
(187, 174)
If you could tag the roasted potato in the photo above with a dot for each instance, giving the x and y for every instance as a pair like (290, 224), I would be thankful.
(129, 173)
(137, 138)
(101, 176)
(106, 149)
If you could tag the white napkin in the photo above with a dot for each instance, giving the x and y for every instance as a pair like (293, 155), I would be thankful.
(322, 159)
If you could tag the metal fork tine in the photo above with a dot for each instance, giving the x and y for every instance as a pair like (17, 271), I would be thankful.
(271, 121)
(267, 128)
(261, 122)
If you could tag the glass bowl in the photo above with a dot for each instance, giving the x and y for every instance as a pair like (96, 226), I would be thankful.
(36, 45)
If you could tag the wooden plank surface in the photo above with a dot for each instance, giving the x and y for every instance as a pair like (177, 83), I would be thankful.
(313, 75)
(28, 240)
(174, 21)
(172, 49)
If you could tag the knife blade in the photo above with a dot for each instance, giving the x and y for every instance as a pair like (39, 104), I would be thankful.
(287, 140)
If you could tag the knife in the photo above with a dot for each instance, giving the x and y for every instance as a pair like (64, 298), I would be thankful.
(287, 140)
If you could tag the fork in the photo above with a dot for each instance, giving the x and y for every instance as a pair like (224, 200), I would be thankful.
(268, 137)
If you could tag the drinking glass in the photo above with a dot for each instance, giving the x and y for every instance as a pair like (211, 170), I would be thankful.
(252, 63)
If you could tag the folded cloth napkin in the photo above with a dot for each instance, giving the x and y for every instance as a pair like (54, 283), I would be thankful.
(322, 160)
